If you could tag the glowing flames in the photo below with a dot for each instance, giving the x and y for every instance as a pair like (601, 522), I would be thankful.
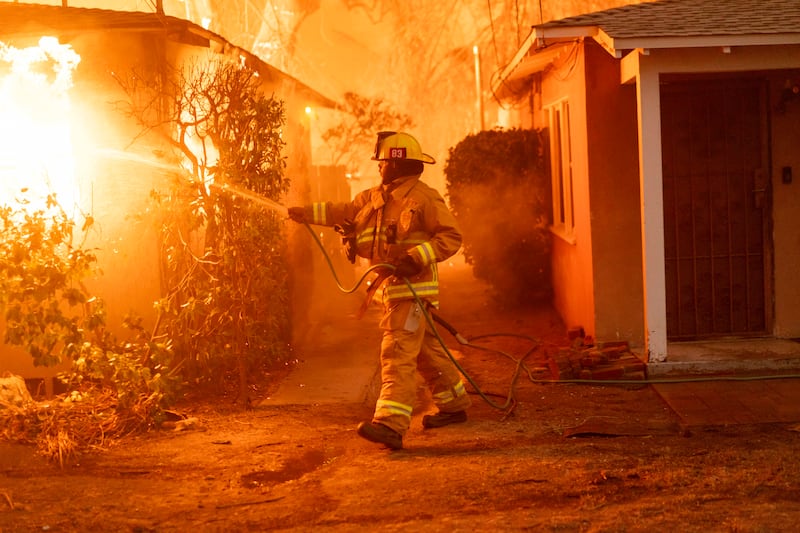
(35, 134)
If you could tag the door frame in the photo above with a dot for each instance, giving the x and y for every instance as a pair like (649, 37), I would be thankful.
(687, 81)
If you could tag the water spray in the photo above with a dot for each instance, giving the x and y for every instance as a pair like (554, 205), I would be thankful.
(243, 193)
(122, 155)
(253, 197)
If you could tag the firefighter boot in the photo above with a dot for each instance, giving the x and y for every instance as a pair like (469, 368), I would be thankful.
(381, 434)
(443, 419)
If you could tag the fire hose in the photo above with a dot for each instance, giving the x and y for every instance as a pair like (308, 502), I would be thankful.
(510, 402)
(383, 268)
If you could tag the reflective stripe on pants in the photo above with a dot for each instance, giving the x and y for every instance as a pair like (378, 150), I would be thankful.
(403, 353)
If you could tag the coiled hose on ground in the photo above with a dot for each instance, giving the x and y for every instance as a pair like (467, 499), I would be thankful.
(510, 402)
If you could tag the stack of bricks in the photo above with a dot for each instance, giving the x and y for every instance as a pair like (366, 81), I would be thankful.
(583, 359)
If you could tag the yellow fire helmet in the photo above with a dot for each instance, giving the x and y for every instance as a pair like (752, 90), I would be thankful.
(393, 145)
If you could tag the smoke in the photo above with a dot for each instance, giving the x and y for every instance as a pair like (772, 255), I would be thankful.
(506, 238)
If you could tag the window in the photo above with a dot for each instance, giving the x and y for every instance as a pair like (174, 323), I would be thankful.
(561, 170)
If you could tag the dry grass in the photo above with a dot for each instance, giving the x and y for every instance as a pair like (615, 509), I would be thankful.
(66, 426)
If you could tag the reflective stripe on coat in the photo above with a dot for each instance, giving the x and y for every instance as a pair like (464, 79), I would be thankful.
(405, 217)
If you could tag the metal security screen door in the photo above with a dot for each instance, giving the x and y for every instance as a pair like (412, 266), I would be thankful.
(716, 208)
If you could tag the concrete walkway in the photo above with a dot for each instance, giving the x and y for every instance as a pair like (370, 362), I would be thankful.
(339, 355)
(338, 361)
(730, 403)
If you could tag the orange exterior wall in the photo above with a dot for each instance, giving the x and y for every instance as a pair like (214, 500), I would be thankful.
(597, 277)
(785, 209)
(572, 259)
(615, 206)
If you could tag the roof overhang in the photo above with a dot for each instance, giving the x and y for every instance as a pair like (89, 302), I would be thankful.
(619, 46)
(528, 61)
(31, 21)
(545, 44)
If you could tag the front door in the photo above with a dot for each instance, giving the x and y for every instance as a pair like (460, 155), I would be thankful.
(716, 208)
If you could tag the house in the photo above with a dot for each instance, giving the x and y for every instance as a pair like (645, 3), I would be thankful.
(674, 129)
(108, 167)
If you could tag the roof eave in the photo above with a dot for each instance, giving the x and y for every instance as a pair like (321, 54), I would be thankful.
(563, 33)
(219, 44)
(513, 84)
(174, 28)
(534, 55)
(616, 45)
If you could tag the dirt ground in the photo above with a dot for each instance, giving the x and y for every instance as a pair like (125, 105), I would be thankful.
(303, 468)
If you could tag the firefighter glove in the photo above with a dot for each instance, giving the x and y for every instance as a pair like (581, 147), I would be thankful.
(406, 267)
(347, 231)
(298, 214)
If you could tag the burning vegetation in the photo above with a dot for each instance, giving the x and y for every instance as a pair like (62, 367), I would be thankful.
(222, 312)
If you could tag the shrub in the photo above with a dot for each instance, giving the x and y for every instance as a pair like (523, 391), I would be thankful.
(225, 307)
(499, 191)
(116, 386)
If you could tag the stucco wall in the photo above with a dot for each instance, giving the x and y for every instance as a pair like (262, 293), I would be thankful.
(786, 207)
(572, 257)
(597, 276)
(615, 208)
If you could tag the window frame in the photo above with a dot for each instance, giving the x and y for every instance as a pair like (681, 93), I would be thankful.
(558, 120)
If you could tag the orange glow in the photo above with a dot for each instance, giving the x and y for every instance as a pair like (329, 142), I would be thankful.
(35, 134)
(192, 129)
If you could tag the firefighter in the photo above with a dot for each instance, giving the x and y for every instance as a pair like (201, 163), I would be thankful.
(405, 223)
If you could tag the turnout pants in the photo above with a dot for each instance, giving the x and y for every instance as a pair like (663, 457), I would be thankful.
(410, 346)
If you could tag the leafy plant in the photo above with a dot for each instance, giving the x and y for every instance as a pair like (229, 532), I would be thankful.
(499, 191)
(51, 314)
(46, 306)
(225, 306)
